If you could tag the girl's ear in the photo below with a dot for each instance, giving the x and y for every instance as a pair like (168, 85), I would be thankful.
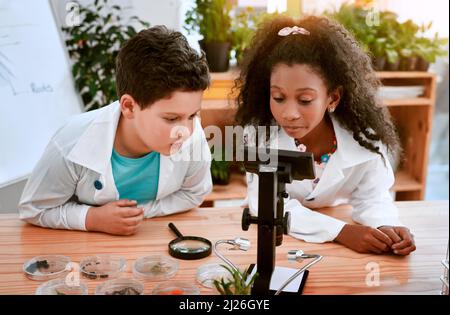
(128, 106)
(334, 98)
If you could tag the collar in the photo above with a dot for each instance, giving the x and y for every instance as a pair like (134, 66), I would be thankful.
(93, 149)
(348, 153)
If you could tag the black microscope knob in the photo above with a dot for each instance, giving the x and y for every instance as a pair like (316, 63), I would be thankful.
(287, 222)
(246, 219)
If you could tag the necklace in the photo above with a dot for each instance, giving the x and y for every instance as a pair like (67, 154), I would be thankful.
(325, 157)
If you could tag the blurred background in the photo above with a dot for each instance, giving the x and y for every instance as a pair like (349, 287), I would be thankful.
(57, 60)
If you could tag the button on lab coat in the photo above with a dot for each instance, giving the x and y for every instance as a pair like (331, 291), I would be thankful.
(75, 173)
(353, 175)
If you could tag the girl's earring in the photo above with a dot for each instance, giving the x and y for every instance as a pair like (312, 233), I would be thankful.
(331, 109)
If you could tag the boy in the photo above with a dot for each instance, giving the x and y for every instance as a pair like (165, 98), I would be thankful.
(108, 169)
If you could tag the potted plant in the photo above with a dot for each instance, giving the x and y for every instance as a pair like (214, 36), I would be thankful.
(240, 283)
(93, 47)
(220, 169)
(243, 29)
(393, 45)
(428, 50)
(211, 18)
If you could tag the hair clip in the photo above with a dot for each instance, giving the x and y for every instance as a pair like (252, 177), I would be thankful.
(293, 30)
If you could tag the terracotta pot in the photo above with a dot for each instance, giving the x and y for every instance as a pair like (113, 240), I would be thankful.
(408, 64)
(379, 63)
(422, 64)
(392, 66)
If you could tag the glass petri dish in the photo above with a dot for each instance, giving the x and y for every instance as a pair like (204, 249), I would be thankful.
(102, 267)
(155, 267)
(120, 286)
(60, 287)
(175, 288)
(206, 274)
(48, 267)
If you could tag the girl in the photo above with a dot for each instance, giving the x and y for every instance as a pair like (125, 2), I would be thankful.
(312, 80)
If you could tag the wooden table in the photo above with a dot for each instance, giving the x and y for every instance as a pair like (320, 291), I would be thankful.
(341, 271)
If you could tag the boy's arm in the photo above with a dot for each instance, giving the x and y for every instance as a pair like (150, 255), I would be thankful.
(196, 185)
(306, 224)
(46, 199)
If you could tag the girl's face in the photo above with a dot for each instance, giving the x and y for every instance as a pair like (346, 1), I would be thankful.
(167, 123)
(299, 98)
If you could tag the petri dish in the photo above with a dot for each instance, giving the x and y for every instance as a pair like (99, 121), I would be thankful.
(175, 288)
(47, 267)
(206, 274)
(155, 267)
(120, 286)
(60, 287)
(102, 267)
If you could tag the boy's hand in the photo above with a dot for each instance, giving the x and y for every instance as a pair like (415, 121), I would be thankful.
(402, 238)
(118, 217)
(364, 239)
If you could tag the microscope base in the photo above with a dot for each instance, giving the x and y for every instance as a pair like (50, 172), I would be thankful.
(280, 275)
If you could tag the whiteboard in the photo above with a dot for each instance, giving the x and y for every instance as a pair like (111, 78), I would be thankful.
(37, 94)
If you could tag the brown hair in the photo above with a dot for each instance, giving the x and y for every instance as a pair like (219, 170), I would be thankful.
(336, 56)
(157, 62)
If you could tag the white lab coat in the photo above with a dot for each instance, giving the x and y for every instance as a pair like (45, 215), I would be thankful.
(62, 186)
(353, 175)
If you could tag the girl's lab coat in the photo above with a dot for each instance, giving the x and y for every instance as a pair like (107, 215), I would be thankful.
(75, 173)
(353, 175)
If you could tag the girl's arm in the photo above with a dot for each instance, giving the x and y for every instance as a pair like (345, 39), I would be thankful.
(372, 203)
(306, 224)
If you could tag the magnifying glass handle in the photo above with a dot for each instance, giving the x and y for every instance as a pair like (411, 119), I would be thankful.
(175, 230)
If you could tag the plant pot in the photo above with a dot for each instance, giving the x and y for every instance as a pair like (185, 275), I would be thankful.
(221, 181)
(379, 63)
(422, 64)
(392, 66)
(220, 172)
(217, 55)
(408, 64)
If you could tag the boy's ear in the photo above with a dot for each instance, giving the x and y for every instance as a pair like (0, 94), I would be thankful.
(335, 98)
(128, 106)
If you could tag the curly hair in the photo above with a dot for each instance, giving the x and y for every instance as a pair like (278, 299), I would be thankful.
(157, 62)
(332, 52)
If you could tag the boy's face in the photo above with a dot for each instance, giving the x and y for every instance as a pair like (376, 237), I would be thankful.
(298, 98)
(167, 123)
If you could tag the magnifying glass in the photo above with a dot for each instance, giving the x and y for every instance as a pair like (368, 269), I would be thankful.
(188, 247)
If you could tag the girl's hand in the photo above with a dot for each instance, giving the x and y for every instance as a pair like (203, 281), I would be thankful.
(117, 217)
(402, 238)
(364, 239)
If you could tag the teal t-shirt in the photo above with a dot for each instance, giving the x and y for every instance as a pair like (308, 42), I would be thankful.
(136, 179)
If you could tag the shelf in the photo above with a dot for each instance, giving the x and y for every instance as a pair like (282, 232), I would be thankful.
(236, 189)
(217, 104)
(405, 182)
(419, 101)
(404, 75)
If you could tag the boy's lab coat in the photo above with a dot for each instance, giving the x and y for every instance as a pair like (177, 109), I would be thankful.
(353, 175)
(75, 173)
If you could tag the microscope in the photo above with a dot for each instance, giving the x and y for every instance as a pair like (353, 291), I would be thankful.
(276, 169)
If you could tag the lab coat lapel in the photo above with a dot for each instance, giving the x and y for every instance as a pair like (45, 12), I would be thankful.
(93, 150)
(166, 171)
(331, 175)
(348, 154)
